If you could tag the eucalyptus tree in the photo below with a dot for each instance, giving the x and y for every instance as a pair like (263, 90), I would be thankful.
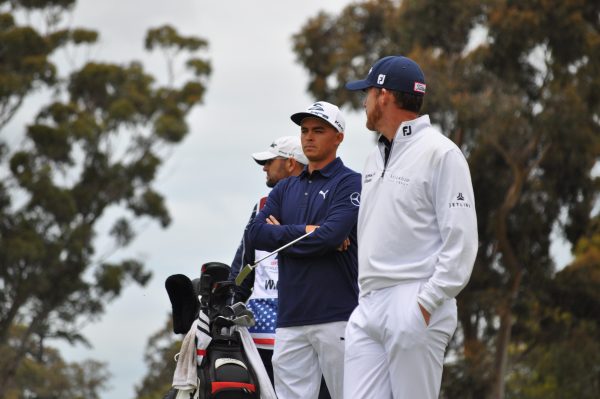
(92, 152)
(517, 86)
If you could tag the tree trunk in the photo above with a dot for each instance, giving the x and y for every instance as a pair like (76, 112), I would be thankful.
(503, 339)
(511, 262)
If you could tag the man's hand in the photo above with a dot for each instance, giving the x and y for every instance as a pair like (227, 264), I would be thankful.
(310, 227)
(425, 314)
(344, 246)
(271, 220)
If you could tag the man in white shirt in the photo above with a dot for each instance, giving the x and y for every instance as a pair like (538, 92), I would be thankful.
(417, 242)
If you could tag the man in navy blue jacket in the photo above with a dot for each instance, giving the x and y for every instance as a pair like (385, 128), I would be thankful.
(317, 276)
(283, 158)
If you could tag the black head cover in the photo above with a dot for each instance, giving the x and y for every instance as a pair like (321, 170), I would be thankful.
(216, 270)
(184, 302)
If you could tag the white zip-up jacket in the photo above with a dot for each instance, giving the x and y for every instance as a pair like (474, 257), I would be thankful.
(417, 216)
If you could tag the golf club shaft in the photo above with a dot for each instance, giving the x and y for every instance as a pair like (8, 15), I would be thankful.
(248, 268)
(282, 248)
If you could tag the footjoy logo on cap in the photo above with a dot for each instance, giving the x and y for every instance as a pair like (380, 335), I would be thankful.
(420, 87)
(380, 79)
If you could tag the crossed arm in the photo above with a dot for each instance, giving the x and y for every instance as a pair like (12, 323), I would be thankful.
(267, 232)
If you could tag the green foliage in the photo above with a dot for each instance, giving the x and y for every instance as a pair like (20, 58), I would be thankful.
(565, 365)
(79, 36)
(44, 4)
(25, 51)
(96, 146)
(111, 277)
(516, 85)
(166, 39)
(576, 286)
(44, 374)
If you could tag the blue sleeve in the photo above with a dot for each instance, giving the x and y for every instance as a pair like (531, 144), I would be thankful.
(241, 254)
(339, 224)
(266, 237)
(334, 229)
(236, 264)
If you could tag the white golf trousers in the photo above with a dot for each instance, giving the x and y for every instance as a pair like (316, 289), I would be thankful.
(302, 354)
(390, 351)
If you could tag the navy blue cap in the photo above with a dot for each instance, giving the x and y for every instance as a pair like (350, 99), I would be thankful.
(394, 72)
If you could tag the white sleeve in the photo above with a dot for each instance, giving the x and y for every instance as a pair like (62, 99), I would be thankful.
(455, 211)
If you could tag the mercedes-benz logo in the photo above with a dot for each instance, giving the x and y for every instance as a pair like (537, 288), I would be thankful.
(355, 199)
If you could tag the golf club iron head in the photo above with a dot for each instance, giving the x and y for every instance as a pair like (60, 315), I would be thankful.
(244, 321)
(237, 309)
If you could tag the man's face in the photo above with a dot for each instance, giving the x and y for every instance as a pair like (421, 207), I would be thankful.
(319, 139)
(276, 170)
(372, 108)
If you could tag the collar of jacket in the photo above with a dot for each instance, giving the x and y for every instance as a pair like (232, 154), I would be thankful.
(327, 171)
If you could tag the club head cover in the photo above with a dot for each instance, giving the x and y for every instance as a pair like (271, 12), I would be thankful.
(184, 302)
(196, 285)
(216, 270)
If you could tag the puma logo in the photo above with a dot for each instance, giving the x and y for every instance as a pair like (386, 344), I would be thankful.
(324, 194)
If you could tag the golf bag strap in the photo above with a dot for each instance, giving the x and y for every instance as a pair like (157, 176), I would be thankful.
(264, 383)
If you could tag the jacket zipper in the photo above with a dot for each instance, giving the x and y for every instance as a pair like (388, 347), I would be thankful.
(386, 160)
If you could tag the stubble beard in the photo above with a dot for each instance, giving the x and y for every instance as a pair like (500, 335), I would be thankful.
(374, 117)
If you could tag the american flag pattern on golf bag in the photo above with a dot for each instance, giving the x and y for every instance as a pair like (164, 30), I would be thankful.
(263, 301)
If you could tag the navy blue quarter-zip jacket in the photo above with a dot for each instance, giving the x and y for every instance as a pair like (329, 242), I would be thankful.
(317, 283)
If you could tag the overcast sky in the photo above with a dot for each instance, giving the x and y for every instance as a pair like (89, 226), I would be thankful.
(210, 182)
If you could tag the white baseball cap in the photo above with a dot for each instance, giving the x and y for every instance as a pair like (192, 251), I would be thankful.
(322, 109)
(286, 146)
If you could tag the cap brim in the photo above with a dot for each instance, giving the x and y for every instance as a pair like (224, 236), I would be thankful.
(358, 85)
(298, 117)
(262, 157)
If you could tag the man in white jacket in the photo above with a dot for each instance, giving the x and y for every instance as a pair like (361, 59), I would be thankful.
(417, 242)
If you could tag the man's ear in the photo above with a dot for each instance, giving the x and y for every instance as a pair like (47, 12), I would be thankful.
(339, 138)
(383, 96)
(291, 165)
(294, 167)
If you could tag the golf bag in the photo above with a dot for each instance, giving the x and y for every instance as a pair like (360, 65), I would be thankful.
(224, 371)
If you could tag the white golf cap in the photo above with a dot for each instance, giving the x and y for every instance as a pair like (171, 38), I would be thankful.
(323, 110)
(286, 147)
